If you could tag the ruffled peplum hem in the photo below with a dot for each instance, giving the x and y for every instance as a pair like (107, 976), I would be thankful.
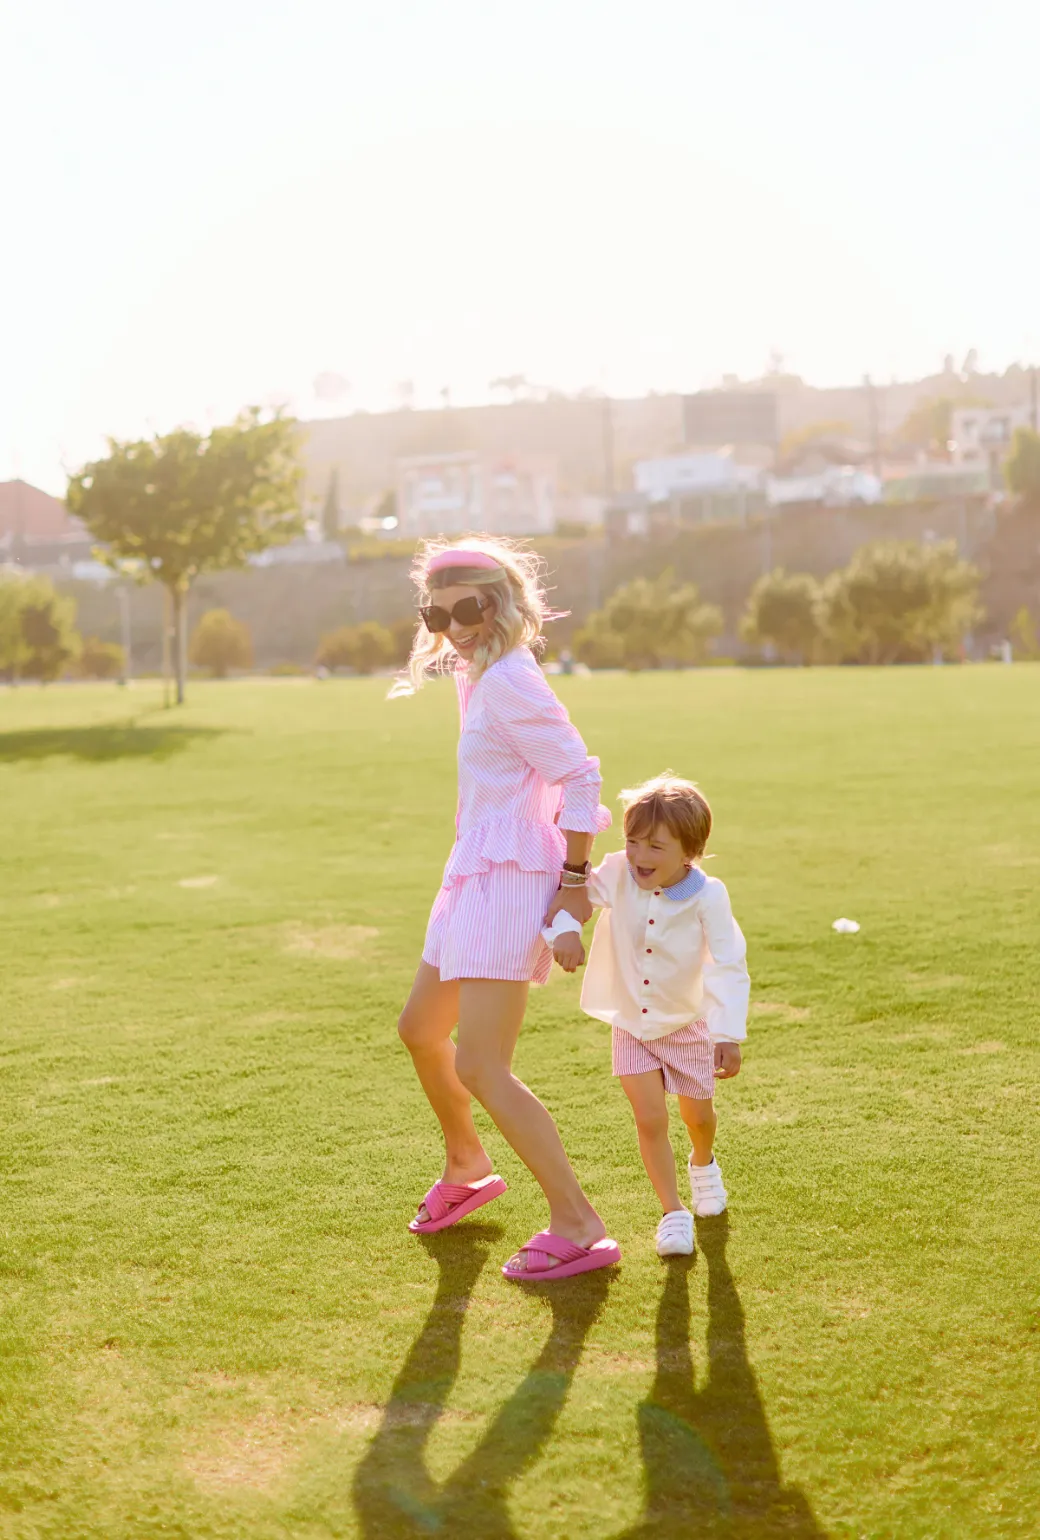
(534, 847)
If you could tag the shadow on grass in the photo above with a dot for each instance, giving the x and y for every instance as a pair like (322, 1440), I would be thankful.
(394, 1495)
(125, 740)
(709, 1462)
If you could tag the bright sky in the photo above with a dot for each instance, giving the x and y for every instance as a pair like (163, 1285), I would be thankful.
(208, 202)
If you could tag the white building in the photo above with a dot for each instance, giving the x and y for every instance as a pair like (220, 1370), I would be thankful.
(979, 431)
(683, 475)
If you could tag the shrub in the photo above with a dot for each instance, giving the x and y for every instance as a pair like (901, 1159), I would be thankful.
(221, 643)
(101, 660)
(363, 648)
(783, 611)
(649, 623)
(37, 632)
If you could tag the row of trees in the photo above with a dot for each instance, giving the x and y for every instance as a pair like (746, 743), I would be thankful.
(895, 602)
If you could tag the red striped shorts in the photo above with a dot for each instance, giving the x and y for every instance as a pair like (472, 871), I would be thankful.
(685, 1058)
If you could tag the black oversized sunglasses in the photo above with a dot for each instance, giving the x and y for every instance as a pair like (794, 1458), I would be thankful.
(468, 612)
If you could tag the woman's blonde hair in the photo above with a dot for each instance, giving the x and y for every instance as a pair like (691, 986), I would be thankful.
(516, 585)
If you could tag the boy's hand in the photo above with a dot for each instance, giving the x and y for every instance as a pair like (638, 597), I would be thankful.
(727, 1060)
(569, 951)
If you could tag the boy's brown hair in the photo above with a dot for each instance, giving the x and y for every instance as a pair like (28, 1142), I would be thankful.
(673, 803)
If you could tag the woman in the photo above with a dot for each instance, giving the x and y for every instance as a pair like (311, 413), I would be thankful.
(528, 812)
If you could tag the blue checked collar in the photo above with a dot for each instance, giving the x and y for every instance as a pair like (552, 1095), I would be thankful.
(689, 887)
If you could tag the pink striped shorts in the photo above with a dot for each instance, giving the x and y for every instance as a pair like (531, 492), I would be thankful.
(489, 925)
(685, 1058)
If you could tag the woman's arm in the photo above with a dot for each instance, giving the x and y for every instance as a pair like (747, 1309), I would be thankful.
(576, 900)
(535, 724)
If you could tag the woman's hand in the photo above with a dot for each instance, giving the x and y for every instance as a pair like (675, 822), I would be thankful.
(576, 901)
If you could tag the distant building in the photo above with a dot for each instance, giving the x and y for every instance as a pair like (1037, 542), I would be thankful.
(838, 486)
(37, 531)
(28, 514)
(977, 432)
(680, 490)
(679, 475)
(448, 494)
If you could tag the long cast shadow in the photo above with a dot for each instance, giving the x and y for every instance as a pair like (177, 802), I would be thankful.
(99, 744)
(708, 1456)
(394, 1494)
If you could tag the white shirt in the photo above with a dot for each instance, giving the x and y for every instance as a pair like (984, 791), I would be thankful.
(662, 958)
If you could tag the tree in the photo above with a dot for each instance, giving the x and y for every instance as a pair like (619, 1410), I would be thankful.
(37, 628)
(221, 643)
(649, 623)
(930, 425)
(101, 660)
(820, 435)
(783, 610)
(185, 502)
(898, 601)
(363, 648)
(1022, 470)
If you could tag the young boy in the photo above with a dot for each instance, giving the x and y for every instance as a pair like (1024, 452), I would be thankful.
(668, 973)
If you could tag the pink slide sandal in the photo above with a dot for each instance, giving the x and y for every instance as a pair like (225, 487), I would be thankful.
(571, 1258)
(447, 1202)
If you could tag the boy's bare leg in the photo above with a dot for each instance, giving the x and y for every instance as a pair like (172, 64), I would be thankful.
(701, 1123)
(646, 1094)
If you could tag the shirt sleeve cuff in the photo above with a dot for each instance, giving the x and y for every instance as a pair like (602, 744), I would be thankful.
(560, 926)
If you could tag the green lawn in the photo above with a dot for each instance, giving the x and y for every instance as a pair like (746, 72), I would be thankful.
(214, 1320)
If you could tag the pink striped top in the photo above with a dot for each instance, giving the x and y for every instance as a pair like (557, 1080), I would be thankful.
(521, 766)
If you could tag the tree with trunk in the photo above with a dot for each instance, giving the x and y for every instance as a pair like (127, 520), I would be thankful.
(649, 623)
(220, 643)
(900, 602)
(185, 502)
(783, 611)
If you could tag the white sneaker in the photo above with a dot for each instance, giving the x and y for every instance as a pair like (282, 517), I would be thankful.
(675, 1234)
(709, 1195)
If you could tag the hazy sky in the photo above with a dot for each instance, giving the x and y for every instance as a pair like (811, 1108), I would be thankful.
(208, 204)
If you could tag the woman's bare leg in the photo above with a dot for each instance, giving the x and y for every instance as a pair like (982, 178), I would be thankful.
(425, 1027)
(491, 1013)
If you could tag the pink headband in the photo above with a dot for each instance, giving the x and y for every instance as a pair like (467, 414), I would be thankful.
(462, 558)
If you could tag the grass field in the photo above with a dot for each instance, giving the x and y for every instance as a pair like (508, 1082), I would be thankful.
(214, 1320)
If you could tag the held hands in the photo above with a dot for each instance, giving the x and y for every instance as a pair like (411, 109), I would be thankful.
(576, 901)
(727, 1059)
(569, 951)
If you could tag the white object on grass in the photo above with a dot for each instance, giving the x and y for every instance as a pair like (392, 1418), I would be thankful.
(846, 927)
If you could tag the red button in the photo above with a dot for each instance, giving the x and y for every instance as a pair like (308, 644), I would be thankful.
(649, 950)
(646, 981)
(651, 922)
(644, 1010)
(657, 892)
